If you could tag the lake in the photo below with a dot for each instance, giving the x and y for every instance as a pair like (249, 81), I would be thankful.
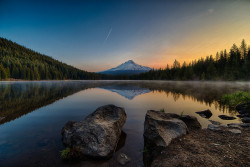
(32, 114)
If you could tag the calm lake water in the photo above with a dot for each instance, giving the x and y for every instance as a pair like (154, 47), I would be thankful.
(32, 114)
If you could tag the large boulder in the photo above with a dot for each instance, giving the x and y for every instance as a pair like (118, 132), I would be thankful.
(191, 121)
(98, 134)
(161, 128)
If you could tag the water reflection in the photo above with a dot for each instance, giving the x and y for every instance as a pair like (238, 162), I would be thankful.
(20, 98)
(34, 138)
(127, 91)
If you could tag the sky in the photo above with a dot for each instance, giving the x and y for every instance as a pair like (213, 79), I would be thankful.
(96, 35)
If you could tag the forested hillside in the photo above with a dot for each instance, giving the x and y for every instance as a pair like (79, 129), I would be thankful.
(234, 65)
(22, 63)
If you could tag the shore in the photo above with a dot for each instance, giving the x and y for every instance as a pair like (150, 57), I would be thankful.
(207, 148)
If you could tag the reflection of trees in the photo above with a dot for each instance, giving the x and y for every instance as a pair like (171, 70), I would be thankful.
(17, 99)
(176, 96)
(204, 92)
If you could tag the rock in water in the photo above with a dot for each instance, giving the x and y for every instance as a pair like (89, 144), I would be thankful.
(243, 108)
(160, 129)
(225, 117)
(98, 134)
(215, 122)
(214, 127)
(205, 113)
(245, 120)
(123, 159)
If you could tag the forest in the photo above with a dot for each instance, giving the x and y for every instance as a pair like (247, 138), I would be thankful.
(232, 65)
(19, 62)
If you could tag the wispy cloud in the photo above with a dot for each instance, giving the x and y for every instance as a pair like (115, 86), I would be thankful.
(110, 30)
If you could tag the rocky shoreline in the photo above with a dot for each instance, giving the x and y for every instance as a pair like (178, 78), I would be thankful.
(169, 139)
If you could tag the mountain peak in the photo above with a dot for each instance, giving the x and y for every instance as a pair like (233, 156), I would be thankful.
(128, 68)
(130, 61)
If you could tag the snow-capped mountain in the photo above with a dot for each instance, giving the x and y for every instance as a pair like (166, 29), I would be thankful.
(127, 68)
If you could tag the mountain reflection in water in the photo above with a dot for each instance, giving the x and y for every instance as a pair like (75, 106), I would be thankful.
(127, 91)
(20, 98)
(32, 114)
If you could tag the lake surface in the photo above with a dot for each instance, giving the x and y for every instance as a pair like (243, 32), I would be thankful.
(32, 114)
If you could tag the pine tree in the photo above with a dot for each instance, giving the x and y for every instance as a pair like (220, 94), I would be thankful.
(3, 74)
(243, 49)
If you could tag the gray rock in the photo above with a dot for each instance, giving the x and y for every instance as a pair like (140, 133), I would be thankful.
(243, 125)
(98, 134)
(225, 117)
(191, 122)
(234, 126)
(205, 113)
(1, 118)
(215, 122)
(245, 120)
(235, 131)
(160, 129)
(123, 159)
(214, 127)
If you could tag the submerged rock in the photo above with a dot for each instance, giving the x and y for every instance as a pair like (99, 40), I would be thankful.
(205, 113)
(98, 134)
(160, 129)
(123, 159)
(225, 117)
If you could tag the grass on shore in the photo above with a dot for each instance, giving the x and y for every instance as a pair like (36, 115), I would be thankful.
(162, 110)
(65, 153)
(234, 99)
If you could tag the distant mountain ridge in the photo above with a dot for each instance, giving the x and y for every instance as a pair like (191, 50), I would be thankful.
(127, 68)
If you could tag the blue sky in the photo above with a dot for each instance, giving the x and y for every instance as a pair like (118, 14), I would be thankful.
(97, 35)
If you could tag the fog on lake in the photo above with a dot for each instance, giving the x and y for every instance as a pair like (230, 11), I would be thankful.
(32, 114)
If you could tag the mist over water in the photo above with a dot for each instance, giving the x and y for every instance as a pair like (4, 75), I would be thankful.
(33, 113)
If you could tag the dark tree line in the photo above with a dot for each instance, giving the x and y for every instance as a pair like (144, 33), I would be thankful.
(19, 62)
(234, 65)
